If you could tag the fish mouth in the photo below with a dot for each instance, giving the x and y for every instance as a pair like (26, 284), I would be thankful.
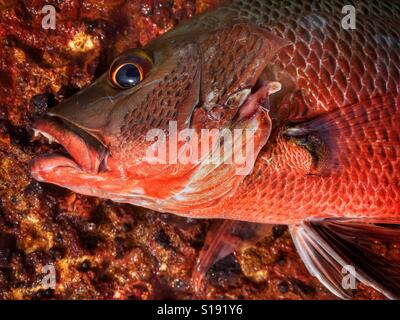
(84, 151)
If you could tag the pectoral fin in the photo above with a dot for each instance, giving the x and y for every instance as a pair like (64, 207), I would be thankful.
(364, 130)
(334, 249)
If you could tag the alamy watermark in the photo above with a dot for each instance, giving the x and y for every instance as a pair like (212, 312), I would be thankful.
(49, 279)
(349, 20)
(349, 277)
(49, 20)
(211, 146)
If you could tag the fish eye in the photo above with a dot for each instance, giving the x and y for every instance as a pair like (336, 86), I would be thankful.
(130, 69)
(127, 75)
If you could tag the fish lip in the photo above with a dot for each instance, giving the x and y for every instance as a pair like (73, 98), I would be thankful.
(85, 152)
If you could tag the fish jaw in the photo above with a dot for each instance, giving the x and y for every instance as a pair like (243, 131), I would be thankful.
(86, 152)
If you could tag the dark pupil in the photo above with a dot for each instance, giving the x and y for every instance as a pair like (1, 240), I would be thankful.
(128, 76)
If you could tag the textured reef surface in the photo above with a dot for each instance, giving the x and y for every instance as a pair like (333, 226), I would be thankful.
(100, 249)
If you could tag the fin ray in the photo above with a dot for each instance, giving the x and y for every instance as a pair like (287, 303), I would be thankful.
(327, 246)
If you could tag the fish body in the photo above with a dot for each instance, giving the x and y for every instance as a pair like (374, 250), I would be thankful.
(321, 100)
(348, 77)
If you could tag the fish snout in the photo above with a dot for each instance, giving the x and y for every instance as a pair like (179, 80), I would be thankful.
(83, 150)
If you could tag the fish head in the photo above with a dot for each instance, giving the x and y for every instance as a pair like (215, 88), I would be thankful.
(125, 134)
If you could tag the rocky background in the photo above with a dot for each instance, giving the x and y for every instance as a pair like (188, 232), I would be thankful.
(100, 249)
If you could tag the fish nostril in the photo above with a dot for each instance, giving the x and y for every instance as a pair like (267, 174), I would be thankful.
(61, 96)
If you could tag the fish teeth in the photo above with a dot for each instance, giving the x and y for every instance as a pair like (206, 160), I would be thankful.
(49, 137)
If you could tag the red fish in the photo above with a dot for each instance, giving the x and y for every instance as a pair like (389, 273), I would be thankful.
(322, 104)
